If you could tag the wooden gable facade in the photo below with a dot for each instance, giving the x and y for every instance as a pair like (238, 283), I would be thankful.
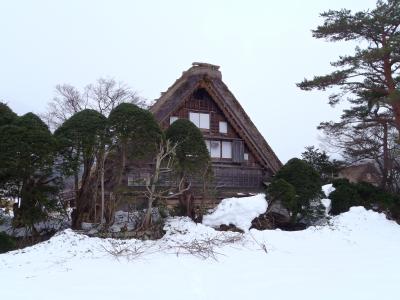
(242, 161)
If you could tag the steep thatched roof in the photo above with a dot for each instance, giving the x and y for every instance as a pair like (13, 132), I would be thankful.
(208, 76)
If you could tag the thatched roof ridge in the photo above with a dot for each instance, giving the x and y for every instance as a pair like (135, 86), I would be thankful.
(209, 77)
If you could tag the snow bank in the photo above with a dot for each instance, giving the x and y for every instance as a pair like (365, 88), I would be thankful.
(237, 211)
(358, 252)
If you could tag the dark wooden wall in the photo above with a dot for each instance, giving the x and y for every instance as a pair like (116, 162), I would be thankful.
(229, 174)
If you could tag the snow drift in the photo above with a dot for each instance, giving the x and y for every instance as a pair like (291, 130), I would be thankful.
(237, 211)
(356, 257)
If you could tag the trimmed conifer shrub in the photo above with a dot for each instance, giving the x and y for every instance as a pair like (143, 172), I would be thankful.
(363, 194)
(7, 243)
(343, 197)
(301, 178)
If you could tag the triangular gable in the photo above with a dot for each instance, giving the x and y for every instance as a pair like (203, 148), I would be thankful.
(208, 77)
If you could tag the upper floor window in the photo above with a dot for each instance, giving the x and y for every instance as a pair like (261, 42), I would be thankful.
(226, 150)
(201, 120)
(172, 119)
(223, 127)
(246, 156)
(219, 149)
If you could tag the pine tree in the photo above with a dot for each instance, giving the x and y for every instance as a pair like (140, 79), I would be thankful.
(320, 161)
(365, 135)
(371, 76)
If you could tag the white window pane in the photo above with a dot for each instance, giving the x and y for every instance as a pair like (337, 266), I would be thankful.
(215, 149)
(208, 145)
(172, 119)
(246, 156)
(204, 121)
(223, 127)
(226, 150)
(194, 118)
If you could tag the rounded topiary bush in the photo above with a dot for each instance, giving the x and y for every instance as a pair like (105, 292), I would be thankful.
(7, 243)
(343, 197)
(281, 190)
(297, 186)
(191, 152)
(303, 178)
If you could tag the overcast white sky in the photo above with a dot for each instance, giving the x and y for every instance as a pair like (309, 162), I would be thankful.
(263, 48)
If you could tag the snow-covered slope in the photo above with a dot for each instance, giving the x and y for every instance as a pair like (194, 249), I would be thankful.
(356, 257)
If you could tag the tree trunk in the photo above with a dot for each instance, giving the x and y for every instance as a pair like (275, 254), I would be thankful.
(76, 185)
(386, 158)
(103, 158)
(396, 110)
(123, 166)
(147, 221)
(83, 195)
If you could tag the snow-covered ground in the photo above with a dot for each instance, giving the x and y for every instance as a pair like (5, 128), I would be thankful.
(356, 257)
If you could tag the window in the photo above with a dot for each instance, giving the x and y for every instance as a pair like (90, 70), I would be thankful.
(215, 149)
(218, 149)
(172, 119)
(226, 150)
(201, 120)
(131, 181)
(223, 127)
(208, 145)
(246, 156)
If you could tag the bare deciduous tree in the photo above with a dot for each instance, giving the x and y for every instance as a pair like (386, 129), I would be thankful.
(67, 101)
(106, 94)
(163, 165)
(103, 96)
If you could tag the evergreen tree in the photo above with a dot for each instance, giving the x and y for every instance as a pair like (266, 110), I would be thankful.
(27, 154)
(7, 116)
(363, 135)
(135, 134)
(80, 140)
(307, 184)
(371, 76)
(191, 158)
(136, 137)
(283, 191)
(321, 163)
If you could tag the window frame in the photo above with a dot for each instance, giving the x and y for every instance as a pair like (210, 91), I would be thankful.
(219, 149)
(196, 118)
(226, 127)
(230, 156)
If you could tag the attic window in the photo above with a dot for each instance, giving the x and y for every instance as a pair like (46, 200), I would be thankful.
(201, 120)
(172, 119)
(246, 156)
(223, 127)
